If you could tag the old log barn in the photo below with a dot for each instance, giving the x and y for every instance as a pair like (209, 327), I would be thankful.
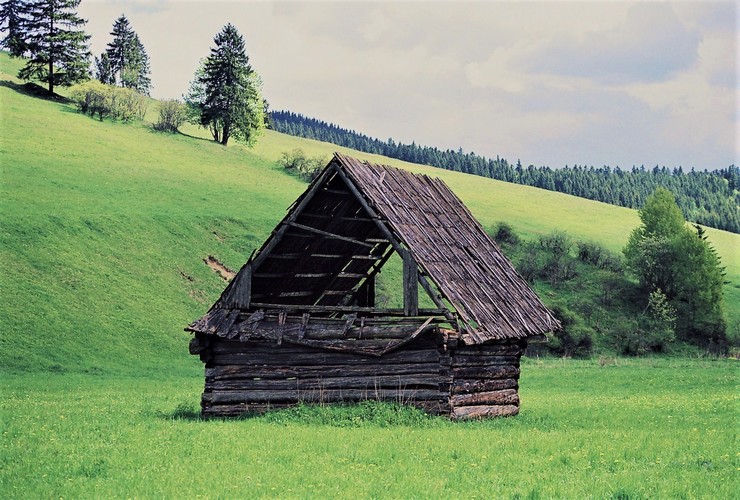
(299, 322)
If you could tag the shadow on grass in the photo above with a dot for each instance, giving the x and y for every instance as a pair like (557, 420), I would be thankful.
(34, 90)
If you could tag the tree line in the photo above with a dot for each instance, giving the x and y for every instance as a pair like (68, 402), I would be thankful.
(704, 197)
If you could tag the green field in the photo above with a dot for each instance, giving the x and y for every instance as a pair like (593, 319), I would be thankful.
(103, 230)
(628, 429)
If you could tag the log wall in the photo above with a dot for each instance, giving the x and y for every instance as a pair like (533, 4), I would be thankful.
(257, 375)
(431, 373)
(485, 379)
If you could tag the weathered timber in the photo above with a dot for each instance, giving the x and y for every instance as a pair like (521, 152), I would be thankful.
(465, 361)
(464, 386)
(434, 407)
(238, 409)
(501, 397)
(485, 372)
(405, 381)
(322, 357)
(327, 234)
(233, 372)
(490, 350)
(343, 309)
(410, 285)
(465, 412)
(323, 395)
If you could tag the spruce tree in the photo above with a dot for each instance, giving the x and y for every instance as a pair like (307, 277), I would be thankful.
(225, 93)
(103, 70)
(12, 20)
(129, 62)
(57, 44)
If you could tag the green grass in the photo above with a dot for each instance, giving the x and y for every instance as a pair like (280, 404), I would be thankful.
(105, 226)
(651, 428)
(103, 230)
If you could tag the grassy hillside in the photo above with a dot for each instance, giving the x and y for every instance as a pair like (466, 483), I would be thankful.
(105, 225)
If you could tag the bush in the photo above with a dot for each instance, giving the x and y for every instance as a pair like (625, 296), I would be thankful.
(505, 234)
(652, 331)
(92, 98)
(308, 168)
(172, 115)
(559, 265)
(598, 256)
(97, 99)
(573, 339)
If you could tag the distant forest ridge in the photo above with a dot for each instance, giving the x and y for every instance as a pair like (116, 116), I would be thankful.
(711, 198)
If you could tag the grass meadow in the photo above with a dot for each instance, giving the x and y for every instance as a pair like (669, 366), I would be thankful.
(103, 231)
(648, 428)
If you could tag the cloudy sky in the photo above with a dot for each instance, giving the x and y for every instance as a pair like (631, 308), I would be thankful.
(548, 82)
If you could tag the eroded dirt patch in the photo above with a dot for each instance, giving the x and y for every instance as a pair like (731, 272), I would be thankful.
(223, 271)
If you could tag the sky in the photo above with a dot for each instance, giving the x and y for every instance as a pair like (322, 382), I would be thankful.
(548, 83)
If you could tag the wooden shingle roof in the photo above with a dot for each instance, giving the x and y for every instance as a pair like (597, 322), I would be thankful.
(324, 255)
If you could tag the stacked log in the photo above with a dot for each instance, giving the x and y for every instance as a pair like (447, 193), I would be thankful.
(258, 375)
(485, 379)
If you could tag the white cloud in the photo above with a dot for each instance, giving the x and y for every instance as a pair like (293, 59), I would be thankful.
(548, 82)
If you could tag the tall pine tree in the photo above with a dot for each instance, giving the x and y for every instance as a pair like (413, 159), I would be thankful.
(103, 70)
(128, 62)
(12, 20)
(225, 93)
(57, 44)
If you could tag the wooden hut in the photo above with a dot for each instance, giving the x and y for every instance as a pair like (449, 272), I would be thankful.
(299, 322)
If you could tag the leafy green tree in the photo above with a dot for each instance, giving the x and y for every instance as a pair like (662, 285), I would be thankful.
(12, 21)
(129, 62)
(225, 93)
(57, 44)
(668, 256)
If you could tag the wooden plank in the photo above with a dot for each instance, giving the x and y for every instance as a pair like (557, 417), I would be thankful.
(327, 309)
(410, 285)
(330, 235)
(322, 395)
(228, 372)
(465, 361)
(322, 356)
(407, 381)
(483, 411)
(295, 294)
(464, 386)
(486, 372)
(500, 397)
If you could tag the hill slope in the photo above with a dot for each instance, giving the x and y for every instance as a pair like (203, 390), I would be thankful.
(105, 226)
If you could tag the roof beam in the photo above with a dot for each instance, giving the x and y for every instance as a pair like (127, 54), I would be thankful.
(346, 309)
(277, 235)
(328, 234)
(433, 294)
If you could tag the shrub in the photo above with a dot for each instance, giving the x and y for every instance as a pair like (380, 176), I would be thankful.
(172, 115)
(97, 99)
(92, 98)
(598, 256)
(573, 339)
(128, 104)
(505, 234)
(306, 167)
(559, 265)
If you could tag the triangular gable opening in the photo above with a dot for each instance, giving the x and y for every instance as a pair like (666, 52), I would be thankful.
(325, 256)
